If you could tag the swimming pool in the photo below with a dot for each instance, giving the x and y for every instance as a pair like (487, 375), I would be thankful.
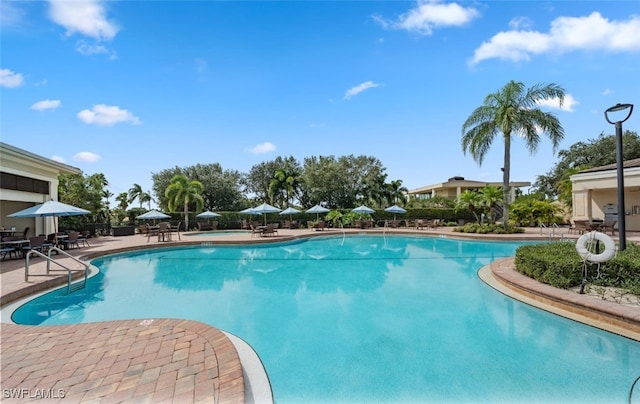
(363, 319)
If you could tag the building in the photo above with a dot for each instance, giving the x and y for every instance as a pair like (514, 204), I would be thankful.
(455, 186)
(595, 193)
(27, 179)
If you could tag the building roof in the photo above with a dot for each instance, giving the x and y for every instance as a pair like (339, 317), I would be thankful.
(455, 182)
(633, 163)
(8, 151)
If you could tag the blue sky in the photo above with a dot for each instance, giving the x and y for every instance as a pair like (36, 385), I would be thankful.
(129, 88)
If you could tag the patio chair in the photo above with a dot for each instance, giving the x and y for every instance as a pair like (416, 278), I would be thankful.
(83, 238)
(268, 231)
(164, 231)
(177, 230)
(579, 226)
(72, 240)
(256, 230)
(609, 226)
(37, 243)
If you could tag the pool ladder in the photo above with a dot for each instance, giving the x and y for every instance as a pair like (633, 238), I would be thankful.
(551, 231)
(71, 287)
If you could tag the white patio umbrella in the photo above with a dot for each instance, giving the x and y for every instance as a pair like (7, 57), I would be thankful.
(207, 215)
(52, 209)
(264, 209)
(153, 214)
(290, 211)
(317, 210)
(395, 209)
(362, 209)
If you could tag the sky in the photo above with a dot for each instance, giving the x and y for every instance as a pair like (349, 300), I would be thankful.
(130, 88)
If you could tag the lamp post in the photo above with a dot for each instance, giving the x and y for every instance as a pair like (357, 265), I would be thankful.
(622, 230)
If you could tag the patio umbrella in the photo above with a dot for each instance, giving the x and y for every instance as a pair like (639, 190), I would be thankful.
(317, 210)
(52, 209)
(395, 209)
(264, 209)
(207, 215)
(363, 210)
(290, 211)
(153, 214)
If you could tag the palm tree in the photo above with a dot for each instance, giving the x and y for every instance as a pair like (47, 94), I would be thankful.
(284, 186)
(181, 191)
(145, 197)
(472, 201)
(512, 111)
(491, 196)
(123, 200)
(134, 193)
(396, 193)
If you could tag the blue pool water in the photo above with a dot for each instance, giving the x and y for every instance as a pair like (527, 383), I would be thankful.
(363, 319)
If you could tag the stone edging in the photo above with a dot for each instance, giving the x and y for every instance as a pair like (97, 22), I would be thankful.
(614, 317)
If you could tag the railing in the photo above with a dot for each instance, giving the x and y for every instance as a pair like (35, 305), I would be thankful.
(50, 260)
(551, 231)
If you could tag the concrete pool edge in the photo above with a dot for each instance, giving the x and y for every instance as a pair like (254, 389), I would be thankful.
(613, 317)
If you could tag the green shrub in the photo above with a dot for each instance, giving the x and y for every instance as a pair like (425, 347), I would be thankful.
(559, 264)
(488, 228)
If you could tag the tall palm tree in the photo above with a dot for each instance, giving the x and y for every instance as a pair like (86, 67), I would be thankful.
(134, 193)
(396, 193)
(145, 197)
(181, 191)
(512, 111)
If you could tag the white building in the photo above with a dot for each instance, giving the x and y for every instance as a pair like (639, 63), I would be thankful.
(595, 193)
(27, 179)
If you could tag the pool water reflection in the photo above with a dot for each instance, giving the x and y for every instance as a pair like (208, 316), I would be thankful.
(363, 319)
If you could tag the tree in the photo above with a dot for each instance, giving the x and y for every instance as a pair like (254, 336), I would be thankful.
(491, 196)
(581, 156)
(182, 191)
(396, 193)
(512, 111)
(222, 188)
(472, 200)
(123, 200)
(135, 192)
(86, 192)
(285, 186)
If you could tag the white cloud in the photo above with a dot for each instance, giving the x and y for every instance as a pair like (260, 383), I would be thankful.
(86, 157)
(107, 115)
(10, 79)
(520, 23)
(263, 148)
(430, 14)
(607, 91)
(46, 104)
(353, 91)
(567, 105)
(87, 17)
(10, 14)
(58, 159)
(566, 34)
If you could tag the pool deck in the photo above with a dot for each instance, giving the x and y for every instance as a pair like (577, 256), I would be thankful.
(173, 360)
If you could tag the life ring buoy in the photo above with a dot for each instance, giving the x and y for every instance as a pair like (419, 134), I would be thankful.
(609, 247)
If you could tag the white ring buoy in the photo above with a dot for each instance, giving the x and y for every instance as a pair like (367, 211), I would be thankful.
(609, 247)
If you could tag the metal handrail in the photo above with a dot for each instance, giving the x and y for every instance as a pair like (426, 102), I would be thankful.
(50, 260)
